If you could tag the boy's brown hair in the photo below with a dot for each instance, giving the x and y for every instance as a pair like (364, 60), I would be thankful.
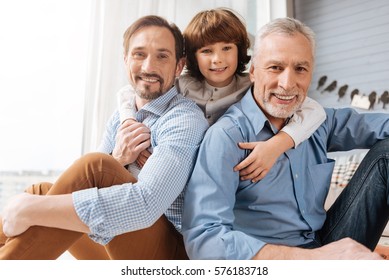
(213, 26)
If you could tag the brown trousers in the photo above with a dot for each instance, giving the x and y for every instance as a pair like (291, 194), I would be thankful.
(160, 241)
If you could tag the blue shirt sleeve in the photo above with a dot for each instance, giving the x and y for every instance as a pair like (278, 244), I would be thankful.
(350, 130)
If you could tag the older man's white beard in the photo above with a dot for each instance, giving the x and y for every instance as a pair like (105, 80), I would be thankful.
(279, 110)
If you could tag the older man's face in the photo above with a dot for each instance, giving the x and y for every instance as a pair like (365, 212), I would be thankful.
(282, 73)
(151, 62)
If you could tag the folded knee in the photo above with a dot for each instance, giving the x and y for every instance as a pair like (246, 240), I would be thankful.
(96, 161)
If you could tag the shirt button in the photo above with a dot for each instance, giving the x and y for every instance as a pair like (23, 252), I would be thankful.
(296, 175)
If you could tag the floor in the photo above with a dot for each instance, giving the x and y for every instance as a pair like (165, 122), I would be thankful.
(382, 249)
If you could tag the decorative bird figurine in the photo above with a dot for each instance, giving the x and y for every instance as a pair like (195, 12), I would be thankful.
(321, 82)
(354, 92)
(372, 99)
(384, 99)
(342, 91)
(330, 87)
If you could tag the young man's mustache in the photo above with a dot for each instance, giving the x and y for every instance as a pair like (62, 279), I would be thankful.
(150, 76)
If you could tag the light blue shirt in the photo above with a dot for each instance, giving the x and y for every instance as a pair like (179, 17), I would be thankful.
(226, 218)
(177, 127)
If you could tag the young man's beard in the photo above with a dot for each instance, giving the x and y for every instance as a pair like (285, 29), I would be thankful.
(145, 93)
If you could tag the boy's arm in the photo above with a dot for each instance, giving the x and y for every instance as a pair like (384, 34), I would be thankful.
(127, 112)
(305, 121)
(264, 154)
(126, 103)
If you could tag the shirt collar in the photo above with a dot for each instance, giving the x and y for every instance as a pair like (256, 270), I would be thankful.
(254, 113)
(157, 106)
(219, 92)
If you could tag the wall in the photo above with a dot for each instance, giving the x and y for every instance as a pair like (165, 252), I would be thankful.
(353, 49)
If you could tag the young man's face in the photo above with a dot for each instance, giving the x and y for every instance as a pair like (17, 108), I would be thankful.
(151, 62)
(282, 73)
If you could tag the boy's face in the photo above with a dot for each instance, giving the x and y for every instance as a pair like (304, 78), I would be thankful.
(151, 62)
(218, 63)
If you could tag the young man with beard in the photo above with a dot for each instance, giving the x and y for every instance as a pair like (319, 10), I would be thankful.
(133, 218)
(282, 216)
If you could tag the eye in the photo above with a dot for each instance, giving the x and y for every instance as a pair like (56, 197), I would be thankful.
(138, 55)
(205, 51)
(227, 48)
(163, 56)
(275, 68)
(301, 69)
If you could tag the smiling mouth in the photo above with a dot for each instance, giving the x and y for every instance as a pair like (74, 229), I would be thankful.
(285, 97)
(149, 80)
(218, 69)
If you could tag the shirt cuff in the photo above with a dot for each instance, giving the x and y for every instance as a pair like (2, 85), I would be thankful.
(89, 210)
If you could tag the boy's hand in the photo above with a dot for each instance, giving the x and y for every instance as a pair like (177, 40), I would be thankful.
(264, 155)
(142, 158)
(258, 163)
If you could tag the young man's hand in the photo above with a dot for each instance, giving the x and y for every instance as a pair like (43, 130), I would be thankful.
(132, 138)
(14, 219)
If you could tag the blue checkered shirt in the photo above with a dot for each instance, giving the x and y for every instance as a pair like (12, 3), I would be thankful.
(177, 127)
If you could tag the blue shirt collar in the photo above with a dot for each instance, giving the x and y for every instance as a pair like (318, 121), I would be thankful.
(157, 106)
(254, 113)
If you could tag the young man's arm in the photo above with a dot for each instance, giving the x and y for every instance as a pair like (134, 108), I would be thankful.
(26, 210)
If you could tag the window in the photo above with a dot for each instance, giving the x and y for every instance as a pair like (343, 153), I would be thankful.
(43, 57)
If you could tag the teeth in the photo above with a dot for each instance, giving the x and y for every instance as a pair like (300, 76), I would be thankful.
(219, 69)
(285, 97)
(149, 80)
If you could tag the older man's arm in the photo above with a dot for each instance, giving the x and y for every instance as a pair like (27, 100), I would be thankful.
(344, 249)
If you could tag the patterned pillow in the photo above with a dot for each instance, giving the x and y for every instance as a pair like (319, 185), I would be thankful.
(345, 167)
(343, 173)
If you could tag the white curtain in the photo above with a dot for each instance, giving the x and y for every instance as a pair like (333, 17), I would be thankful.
(110, 18)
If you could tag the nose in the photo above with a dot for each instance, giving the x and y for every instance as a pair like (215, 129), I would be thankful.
(217, 57)
(148, 64)
(287, 80)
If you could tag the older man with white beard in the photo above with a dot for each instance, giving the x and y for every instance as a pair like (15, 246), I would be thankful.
(282, 216)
